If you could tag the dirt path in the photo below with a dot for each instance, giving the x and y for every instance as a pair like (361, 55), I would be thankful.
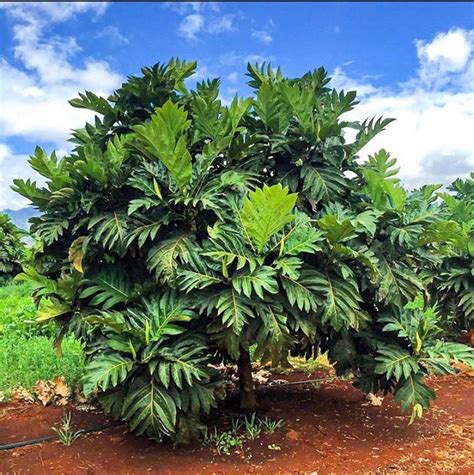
(328, 429)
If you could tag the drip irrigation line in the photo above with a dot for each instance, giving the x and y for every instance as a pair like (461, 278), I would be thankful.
(293, 383)
(39, 440)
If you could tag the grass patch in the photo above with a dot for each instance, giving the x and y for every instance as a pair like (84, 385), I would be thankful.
(26, 360)
(17, 313)
(26, 350)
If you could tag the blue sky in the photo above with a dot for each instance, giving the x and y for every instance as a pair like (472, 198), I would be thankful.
(410, 61)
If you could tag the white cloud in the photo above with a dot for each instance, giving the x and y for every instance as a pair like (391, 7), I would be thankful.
(34, 97)
(112, 33)
(191, 25)
(183, 8)
(340, 80)
(12, 166)
(448, 57)
(34, 92)
(450, 50)
(221, 24)
(233, 77)
(263, 36)
(258, 58)
(202, 18)
(52, 11)
(432, 137)
(433, 131)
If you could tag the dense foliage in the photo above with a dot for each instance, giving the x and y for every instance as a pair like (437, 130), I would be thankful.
(180, 231)
(453, 283)
(12, 249)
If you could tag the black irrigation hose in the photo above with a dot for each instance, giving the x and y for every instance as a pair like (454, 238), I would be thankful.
(24, 443)
(292, 383)
(16, 445)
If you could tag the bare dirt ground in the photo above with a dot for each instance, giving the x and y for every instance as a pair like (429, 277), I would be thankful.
(329, 428)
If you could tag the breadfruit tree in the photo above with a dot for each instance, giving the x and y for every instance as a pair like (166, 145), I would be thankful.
(180, 231)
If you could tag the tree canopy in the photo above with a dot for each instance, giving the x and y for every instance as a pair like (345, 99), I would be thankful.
(12, 249)
(181, 230)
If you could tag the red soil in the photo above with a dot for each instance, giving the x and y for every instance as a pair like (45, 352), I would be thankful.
(328, 429)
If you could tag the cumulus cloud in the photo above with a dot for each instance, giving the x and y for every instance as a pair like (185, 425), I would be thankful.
(13, 166)
(432, 137)
(340, 80)
(51, 11)
(221, 24)
(184, 8)
(191, 25)
(448, 53)
(264, 35)
(202, 18)
(113, 34)
(34, 94)
(258, 58)
(34, 91)
(233, 77)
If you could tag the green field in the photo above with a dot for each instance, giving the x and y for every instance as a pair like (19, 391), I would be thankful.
(26, 350)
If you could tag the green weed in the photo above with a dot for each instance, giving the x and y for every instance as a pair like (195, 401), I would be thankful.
(26, 350)
(17, 313)
(246, 428)
(23, 361)
(64, 432)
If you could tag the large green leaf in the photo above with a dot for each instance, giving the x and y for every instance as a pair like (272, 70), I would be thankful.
(398, 283)
(259, 281)
(234, 309)
(368, 130)
(181, 364)
(164, 138)
(384, 190)
(301, 291)
(109, 287)
(323, 183)
(336, 231)
(105, 372)
(341, 301)
(265, 212)
(395, 361)
(148, 408)
(161, 317)
(412, 392)
(163, 259)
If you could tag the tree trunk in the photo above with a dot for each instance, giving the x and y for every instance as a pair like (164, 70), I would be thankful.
(247, 392)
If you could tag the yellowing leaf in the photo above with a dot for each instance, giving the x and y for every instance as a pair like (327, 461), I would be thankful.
(418, 343)
(156, 187)
(51, 308)
(76, 253)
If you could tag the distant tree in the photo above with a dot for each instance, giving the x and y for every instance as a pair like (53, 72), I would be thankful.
(181, 231)
(453, 279)
(12, 249)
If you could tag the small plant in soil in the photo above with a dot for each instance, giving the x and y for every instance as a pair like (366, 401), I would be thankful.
(248, 427)
(65, 433)
(223, 442)
(253, 426)
(270, 425)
